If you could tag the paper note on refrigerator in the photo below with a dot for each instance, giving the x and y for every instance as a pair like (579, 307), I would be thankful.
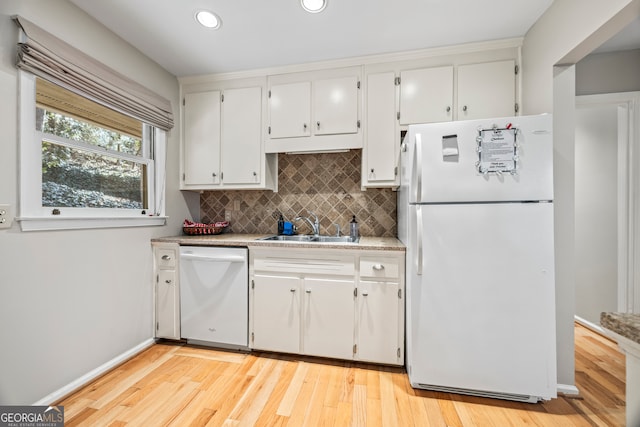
(497, 150)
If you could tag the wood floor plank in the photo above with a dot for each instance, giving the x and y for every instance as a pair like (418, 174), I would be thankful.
(303, 400)
(359, 405)
(289, 399)
(387, 400)
(180, 385)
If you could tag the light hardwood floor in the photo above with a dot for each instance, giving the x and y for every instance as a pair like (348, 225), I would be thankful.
(171, 384)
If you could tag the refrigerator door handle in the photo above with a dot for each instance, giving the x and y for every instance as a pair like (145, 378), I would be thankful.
(419, 238)
(417, 169)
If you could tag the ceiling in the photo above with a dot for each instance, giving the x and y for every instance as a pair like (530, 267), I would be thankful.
(271, 33)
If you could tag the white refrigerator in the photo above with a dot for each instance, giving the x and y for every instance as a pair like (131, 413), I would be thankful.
(475, 211)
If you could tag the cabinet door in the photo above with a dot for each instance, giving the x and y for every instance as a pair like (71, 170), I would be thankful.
(381, 145)
(378, 316)
(290, 110)
(486, 90)
(335, 104)
(328, 318)
(201, 150)
(276, 313)
(167, 305)
(241, 135)
(426, 95)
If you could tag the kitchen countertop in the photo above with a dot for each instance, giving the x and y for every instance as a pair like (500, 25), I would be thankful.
(623, 324)
(249, 240)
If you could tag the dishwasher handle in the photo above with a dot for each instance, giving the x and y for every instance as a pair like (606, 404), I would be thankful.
(229, 258)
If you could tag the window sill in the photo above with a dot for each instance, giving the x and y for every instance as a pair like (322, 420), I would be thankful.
(78, 223)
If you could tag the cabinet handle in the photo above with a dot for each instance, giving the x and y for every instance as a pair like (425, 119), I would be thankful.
(214, 174)
(448, 108)
(318, 124)
(304, 125)
(378, 267)
(166, 257)
(372, 170)
(255, 174)
(168, 281)
(292, 289)
(464, 108)
(308, 291)
(364, 294)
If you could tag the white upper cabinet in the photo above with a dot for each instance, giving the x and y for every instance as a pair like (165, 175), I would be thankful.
(486, 90)
(336, 105)
(290, 109)
(222, 146)
(381, 151)
(241, 136)
(426, 95)
(201, 148)
(314, 111)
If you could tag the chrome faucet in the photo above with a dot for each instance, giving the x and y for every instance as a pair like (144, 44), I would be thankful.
(315, 224)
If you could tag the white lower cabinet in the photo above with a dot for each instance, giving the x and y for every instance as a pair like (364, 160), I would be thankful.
(343, 304)
(166, 291)
(378, 312)
(328, 317)
(276, 318)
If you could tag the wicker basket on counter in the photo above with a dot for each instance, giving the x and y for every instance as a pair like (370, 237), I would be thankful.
(197, 229)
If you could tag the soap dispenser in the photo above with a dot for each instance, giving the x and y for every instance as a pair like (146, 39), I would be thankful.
(281, 225)
(353, 229)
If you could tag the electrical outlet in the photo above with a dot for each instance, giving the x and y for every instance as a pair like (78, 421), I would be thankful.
(227, 215)
(6, 217)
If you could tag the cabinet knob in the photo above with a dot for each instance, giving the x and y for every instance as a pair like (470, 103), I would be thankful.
(364, 294)
(255, 174)
(168, 281)
(308, 291)
(448, 108)
(464, 108)
(166, 257)
(292, 289)
(371, 170)
(378, 267)
(318, 124)
(304, 126)
(214, 174)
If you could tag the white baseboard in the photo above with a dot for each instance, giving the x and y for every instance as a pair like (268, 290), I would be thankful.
(90, 376)
(568, 390)
(590, 325)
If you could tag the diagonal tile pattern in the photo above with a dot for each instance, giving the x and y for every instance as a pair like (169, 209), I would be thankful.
(327, 184)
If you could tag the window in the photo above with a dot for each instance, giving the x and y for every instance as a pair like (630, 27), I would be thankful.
(84, 165)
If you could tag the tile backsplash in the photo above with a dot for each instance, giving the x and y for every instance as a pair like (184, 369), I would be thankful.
(327, 184)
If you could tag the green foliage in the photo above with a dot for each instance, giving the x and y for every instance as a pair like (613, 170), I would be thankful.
(54, 155)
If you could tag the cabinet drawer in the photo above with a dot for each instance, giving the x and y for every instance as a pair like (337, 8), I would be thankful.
(166, 258)
(380, 267)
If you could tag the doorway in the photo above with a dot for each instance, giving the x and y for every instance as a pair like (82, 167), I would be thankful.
(605, 146)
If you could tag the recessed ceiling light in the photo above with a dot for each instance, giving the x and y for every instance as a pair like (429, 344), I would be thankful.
(313, 6)
(208, 19)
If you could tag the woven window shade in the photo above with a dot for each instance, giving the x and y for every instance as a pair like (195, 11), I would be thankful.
(56, 98)
(46, 56)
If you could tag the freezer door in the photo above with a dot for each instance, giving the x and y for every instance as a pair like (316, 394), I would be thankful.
(444, 162)
(481, 314)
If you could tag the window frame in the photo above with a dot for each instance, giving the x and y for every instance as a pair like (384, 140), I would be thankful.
(35, 217)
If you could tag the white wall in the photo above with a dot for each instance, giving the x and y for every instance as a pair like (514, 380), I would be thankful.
(564, 34)
(609, 72)
(72, 300)
(596, 201)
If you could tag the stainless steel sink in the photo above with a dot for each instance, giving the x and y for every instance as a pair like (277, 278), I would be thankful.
(293, 238)
(335, 239)
(310, 238)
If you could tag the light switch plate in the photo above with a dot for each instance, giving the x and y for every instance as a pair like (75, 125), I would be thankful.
(6, 216)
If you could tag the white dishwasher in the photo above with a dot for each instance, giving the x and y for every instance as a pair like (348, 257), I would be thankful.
(214, 296)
